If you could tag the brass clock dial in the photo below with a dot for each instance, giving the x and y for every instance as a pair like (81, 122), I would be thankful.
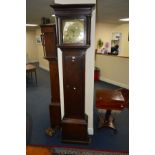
(73, 31)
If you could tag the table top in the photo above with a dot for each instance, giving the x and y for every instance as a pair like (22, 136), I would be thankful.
(30, 67)
(110, 99)
(109, 95)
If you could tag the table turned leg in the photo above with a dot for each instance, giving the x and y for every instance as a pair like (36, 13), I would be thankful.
(36, 77)
(31, 75)
(106, 120)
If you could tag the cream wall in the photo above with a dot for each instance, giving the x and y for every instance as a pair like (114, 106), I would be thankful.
(113, 69)
(31, 47)
(34, 50)
(43, 63)
(104, 31)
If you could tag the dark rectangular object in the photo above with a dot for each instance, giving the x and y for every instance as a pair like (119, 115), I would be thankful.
(75, 130)
(50, 53)
(45, 20)
(73, 30)
(110, 99)
(49, 41)
(55, 115)
(74, 83)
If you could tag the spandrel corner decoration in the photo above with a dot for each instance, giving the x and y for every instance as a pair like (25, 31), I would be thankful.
(73, 31)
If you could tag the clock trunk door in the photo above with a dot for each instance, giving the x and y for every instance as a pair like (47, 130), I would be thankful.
(74, 85)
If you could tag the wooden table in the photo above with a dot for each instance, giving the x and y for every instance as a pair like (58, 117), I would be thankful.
(31, 69)
(111, 100)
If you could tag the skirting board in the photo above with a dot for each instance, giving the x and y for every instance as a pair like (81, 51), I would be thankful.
(43, 67)
(32, 61)
(114, 82)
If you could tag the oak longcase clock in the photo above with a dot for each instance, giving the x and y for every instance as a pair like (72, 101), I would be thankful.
(50, 53)
(73, 38)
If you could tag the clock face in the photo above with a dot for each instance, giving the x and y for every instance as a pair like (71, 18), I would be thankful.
(73, 31)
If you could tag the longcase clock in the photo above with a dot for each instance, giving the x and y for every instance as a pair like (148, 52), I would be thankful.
(50, 53)
(73, 38)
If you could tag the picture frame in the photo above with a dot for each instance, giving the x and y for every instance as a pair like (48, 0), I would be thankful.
(38, 40)
(116, 43)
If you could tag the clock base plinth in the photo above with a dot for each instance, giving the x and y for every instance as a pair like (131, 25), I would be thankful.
(75, 130)
(55, 115)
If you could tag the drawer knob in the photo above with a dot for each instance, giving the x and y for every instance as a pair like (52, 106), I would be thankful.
(74, 88)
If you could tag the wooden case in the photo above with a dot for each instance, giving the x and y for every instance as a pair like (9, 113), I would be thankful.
(50, 53)
(48, 37)
(75, 121)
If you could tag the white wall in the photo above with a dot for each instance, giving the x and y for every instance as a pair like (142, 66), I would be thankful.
(89, 79)
(89, 75)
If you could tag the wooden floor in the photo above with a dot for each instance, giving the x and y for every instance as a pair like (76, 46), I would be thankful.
(34, 150)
